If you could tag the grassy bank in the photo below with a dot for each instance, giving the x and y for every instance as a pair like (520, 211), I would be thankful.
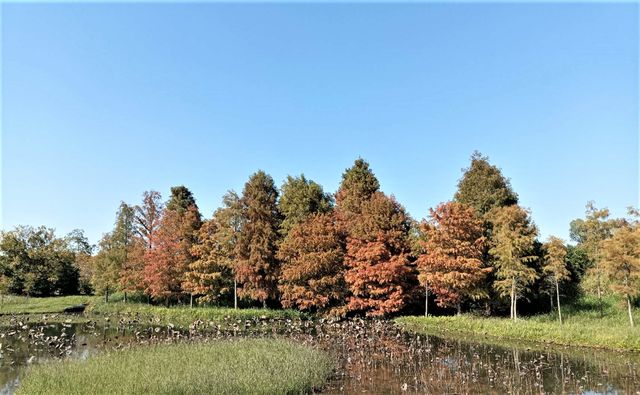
(183, 315)
(29, 305)
(582, 326)
(231, 367)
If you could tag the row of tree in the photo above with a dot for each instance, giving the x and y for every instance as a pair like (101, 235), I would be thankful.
(360, 252)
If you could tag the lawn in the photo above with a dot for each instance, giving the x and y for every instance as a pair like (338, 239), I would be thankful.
(582, 326)
(257, 366)
(30, 305)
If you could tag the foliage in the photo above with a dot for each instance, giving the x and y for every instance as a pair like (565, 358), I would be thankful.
(257, 266)
(379, 273)
(358, 185)
(621, 263)
(555, 265)
(168, 260)
(512, 241)
(312, 274)
(148, 217)
(299, 199)
(34, 262)
(251, 366)
(451, 265)
(483, 186)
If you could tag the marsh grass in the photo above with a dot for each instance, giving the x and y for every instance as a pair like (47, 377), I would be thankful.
(257, 366)
(583, 326)
(29, 305)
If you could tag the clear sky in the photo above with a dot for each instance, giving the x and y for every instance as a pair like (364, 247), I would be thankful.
(103, 102)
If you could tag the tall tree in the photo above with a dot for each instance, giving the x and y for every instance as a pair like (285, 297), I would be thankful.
(299, 199)
(148, 216)
(555, 264)
(379, 274)
(358, 185)
(212, 274)
(483, 186)
(513, 239)
(257, 266)
(168, 261)
(451, 266)
(621, 263)
(312, 258)
(589, 233)
(83, 251)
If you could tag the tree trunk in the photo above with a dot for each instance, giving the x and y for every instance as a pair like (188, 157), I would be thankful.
(558, 297)
(106, 296)
(629, 310)
(426, 300)
(264, 304)
(235, 293)
(191, 300)
(513, 305)
(600, 297)
(459, 309)
(125, 297)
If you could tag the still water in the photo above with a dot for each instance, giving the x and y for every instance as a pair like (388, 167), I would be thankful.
(371, 356)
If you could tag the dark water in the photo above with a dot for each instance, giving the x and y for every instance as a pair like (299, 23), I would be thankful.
(371, 356)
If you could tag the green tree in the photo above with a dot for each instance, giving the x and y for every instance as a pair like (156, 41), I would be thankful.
(299, 199)
(483, 186)
(512, 242)
(33, 261)
(358, 185)
(589, 233)
(555, 265)
(257, 267)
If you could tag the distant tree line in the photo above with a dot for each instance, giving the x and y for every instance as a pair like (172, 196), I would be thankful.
(355, 252)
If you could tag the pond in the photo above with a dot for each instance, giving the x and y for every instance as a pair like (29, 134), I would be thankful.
(371, 356)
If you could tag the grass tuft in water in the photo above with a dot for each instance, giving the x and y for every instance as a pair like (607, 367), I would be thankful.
(257, 366)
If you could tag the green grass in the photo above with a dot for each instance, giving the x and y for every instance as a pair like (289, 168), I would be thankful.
(582, 326)
(184, 315)
(223, 367)
(25, 305)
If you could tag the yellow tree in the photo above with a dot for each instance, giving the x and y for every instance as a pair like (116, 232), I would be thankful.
(621, 263)
(513, 238)
(555, 265)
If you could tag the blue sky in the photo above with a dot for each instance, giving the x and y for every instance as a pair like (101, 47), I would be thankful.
(103, 102)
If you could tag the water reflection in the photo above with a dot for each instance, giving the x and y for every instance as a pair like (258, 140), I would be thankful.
(371, 356)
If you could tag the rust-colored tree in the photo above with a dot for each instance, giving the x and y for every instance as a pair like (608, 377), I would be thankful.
(169, 258)
(379, 275)
(357, 186)
(257, 266)
(312, 273)
(451, 266)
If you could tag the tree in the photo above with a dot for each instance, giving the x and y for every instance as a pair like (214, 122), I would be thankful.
(555, 265)
(378, 273)
(33, 261)
(589, 233)
(299, 199)
(513, 239)
(209, 276)
(358, 185)
(213, 272)
(451, 266)
(312, 276)
(621, 263)
(483, 186)
(257, 266)
(148, 216)
(83, 251)
(168, 260)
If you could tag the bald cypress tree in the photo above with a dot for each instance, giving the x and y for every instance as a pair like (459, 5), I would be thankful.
(300, 199)
(483, 186)
(358, 185)
(257, 267)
